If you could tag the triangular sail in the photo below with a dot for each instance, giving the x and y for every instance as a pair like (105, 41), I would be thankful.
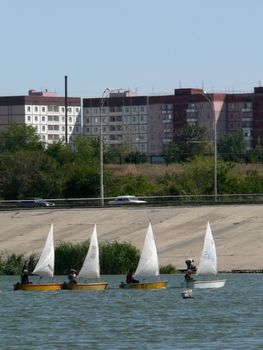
(148, 265)
(91, 267)
(208, 260)
(45, 265)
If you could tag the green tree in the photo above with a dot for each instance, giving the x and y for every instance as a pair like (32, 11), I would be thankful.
(171, 153)
(191, 141)
(232, 147)
(136, 157)
(29, 174)
(17, 137)
(60, 152)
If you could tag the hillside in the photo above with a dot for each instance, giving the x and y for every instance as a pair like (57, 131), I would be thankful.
(179, 232)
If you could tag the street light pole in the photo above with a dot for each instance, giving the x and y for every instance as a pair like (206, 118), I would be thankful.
(215, 142)
(104, 95)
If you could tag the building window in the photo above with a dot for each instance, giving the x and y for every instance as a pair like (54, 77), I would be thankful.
(36, 109)
(53, 118)
(43, 119)
(28, 118)
(62, 110)
(28, 109)
(43, 128)
(53, 127)
(53, 108)
(43, 109)
(36, 118)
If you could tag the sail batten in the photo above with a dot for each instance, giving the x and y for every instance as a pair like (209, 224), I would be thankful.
(208, 260)
(45, 264)
(90, 268)
(148, 265)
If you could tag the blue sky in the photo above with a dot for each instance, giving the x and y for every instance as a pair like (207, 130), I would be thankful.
(151, 46)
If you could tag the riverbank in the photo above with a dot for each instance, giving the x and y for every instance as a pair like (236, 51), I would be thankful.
(179, 232)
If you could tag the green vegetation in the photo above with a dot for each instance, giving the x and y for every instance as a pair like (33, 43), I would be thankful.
(15, 264)
(169, 269)
(30, 170)
(115, 258)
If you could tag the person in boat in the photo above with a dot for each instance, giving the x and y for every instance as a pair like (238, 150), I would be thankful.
(188, 277)
(190, 264)
(193, 267)
(130, 278)
(72, 276)
(25, 277)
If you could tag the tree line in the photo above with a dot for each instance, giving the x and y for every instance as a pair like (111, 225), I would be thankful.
(115, 258)
(31, 169)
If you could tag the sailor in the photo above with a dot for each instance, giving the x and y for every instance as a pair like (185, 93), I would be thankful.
(72, 276)
(188, 263)
(193, 267)
(24, 277)
(130, 278)
(188, 276)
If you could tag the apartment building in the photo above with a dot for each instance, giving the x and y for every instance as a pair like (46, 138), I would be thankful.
(124, 117)
(45, 111)
(147, 123)
(133, 122)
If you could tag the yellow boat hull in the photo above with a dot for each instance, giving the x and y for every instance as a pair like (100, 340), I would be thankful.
(37, 287)
(85, 286)
(145, 285)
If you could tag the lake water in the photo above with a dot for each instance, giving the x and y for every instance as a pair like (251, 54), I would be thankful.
(227, 318)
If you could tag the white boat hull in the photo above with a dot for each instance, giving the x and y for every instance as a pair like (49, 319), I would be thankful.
(209, 284)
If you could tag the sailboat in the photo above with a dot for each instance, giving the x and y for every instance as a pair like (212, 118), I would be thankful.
(90, 269)
(148, 266)
(44, 268)
(208, 263)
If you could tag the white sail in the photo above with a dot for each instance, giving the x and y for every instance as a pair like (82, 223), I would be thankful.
(208, 260)
(148, 265)
(45, 265)
(91, 267)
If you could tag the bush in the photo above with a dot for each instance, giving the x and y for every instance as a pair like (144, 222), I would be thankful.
(15, 264)
(168, 269)
(118, 258)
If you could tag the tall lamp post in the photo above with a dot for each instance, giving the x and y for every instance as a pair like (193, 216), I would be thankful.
(106, 92)
(209, 99)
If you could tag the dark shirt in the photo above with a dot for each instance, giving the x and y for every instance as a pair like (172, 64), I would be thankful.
(72, 277)
(131, 279)
(24, 278)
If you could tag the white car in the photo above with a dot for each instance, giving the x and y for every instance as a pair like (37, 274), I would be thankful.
(126, 200)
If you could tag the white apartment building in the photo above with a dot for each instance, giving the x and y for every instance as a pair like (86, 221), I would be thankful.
(45, 111)
(124, 119)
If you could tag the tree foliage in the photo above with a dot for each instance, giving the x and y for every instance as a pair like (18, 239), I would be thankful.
(232, 147)
(17, 137)
(190, 141)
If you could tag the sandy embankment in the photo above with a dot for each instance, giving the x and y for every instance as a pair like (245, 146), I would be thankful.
(179, 232)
